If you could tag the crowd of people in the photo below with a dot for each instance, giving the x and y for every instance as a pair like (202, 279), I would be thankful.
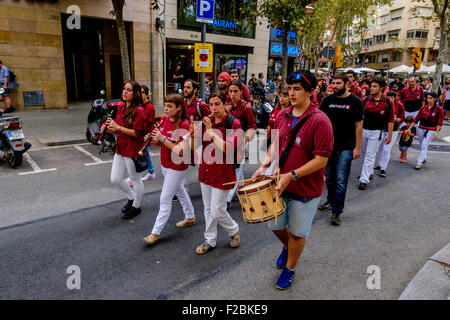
(322, 126)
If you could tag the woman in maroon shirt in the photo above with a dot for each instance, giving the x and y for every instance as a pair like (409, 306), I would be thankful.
(174, 165)
(283, 102)
(130, 129)
(215, 170)
(430, 119)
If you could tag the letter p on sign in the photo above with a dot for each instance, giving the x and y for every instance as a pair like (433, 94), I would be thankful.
(204, 6)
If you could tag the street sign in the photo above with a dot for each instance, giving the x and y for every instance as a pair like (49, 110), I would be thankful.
(328, 52)
(205, 11)
(203, 57)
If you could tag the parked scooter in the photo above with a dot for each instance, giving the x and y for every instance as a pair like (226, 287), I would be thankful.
(263, 108)
(12, 146)
(96, 132)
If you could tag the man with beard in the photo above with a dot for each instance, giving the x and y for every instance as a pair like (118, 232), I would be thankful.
(196, 108)
(223, 81)
(345, 111)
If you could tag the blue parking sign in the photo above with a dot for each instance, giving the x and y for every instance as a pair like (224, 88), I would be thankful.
(205, 11)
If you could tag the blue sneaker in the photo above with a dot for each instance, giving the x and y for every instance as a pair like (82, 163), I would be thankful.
(285, 279)
(282, 259)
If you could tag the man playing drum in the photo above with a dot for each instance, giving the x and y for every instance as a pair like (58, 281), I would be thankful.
(302, 164)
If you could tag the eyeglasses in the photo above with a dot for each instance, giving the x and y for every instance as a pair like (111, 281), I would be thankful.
(297, 76)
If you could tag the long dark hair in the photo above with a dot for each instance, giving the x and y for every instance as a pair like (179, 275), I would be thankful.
(434, 95)
(136, 102)
(178, 100)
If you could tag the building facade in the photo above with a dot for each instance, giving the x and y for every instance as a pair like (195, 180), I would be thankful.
(55, 65)
(398, 29)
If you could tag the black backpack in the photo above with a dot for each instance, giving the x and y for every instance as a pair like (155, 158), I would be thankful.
(12, 76)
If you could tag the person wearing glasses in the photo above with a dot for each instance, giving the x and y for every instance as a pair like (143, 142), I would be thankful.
(305, 141)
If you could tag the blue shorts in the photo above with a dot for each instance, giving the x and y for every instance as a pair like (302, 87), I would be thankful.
(403, 148)
(298, 217)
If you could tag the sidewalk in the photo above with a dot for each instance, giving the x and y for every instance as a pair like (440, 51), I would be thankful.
(52, 127)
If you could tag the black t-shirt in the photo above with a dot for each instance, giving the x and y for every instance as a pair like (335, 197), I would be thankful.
(343, 114)
(178, 73)
(406, 140)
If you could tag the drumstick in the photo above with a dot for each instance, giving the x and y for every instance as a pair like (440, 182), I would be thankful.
(276, 197)
(242, 181)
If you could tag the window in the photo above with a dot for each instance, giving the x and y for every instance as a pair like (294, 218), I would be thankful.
(398, 56)
(228, 18)
(370, 59)
(417, 34)
(396, 14)
(368, 42)
(393, 34)
(421, 12)
(384, 19)
(383, 57)
(379, 39)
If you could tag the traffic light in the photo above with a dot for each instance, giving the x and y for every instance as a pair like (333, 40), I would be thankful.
(338, 58)
(416, 58)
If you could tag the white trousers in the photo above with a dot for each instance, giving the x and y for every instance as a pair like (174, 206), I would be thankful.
(384, 151)
(215, 210)
(239, 176)
(424, 142)
(173, 185)
(370, 144)
(120, 166)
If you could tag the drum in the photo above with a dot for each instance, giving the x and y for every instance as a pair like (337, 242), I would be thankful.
(258, 201)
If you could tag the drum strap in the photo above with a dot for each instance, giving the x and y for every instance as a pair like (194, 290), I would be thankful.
(295, 131)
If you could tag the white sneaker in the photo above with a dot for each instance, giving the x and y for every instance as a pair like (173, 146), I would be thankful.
(149, 176)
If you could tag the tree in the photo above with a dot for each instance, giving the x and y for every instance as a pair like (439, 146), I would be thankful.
(118, 13)
(287, 15)
(122, 32)
(442, 12)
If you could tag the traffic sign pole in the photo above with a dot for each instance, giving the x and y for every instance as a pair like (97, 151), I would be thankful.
(202, 74)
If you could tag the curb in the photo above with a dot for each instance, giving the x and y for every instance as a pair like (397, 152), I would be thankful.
(431, 283)
(52, 143)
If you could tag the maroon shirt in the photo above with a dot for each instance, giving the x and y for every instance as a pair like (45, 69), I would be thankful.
(166, 127)
(149, 117)
(128, 146)
(399, 114)
(412, 99)
(314, 138)
(215, 174)
(430, 118)
(246, 93)
(244, 112)
(356, 91)
(191, 109)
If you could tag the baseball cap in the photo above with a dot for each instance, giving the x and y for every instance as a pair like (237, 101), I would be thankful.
(224, 76)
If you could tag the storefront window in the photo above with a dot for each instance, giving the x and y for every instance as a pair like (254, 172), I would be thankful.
(228, 18)
(228, 62)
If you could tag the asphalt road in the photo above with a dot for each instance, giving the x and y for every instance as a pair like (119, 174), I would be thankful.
(397, 224)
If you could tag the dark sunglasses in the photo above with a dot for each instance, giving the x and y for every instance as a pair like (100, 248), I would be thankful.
(297, 76)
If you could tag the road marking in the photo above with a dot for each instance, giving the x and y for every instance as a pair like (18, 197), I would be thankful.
(446, 139)
(59, 147)
(96, 163)
(90, 155)
(34, 166)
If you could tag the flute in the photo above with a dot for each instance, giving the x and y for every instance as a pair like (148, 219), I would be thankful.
(185, 137)
(105, 129)
(141, 152)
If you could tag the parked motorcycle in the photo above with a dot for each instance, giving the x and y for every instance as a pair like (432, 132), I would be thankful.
(96, 132)
(12, 146)
(263, 108)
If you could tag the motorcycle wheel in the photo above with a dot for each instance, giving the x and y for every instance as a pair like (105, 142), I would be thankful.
(89, 138)
(15, 159)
